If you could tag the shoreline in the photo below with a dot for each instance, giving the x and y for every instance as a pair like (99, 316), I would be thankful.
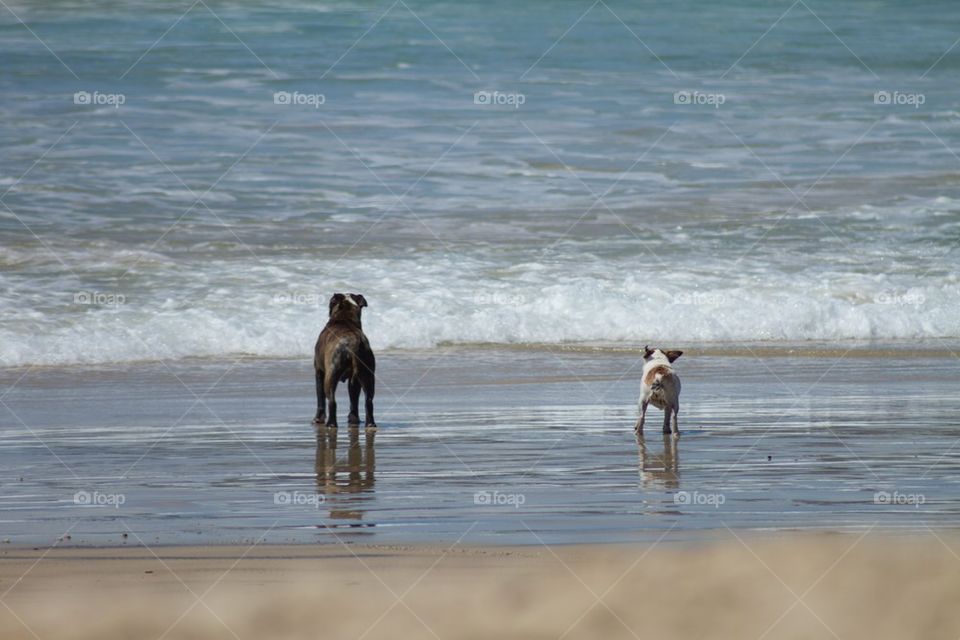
(132, 548)
(947, 347)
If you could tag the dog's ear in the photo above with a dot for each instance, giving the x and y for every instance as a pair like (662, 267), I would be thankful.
(673, 355)
(647, 352)
(359, 299)
(335, 300)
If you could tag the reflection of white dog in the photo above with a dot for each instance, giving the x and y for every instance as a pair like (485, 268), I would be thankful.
(660, 387)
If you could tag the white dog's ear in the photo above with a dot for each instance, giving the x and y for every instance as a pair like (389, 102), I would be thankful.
(673, 355)
(647, 352)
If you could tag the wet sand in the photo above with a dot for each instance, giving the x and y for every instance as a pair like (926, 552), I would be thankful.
(813, 586)
(491, 446)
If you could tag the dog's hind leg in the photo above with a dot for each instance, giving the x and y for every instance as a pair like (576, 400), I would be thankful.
(353, 418)
(667, 413)
(643, 416)
(368, 380)
(330, 389)
(321, 415)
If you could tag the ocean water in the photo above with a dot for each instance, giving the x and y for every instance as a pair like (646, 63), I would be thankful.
(196, 179)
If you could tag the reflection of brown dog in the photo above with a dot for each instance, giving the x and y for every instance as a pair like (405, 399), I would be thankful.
(343, 354)
(356, 471)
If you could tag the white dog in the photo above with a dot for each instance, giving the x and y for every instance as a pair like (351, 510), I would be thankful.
(660, 387)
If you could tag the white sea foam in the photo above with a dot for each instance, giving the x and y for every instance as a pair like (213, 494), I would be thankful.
(234, 308)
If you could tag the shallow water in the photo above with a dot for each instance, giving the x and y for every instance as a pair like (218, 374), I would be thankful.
(501, 447)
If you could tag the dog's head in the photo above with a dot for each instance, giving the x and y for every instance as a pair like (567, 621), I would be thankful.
(656, 353)
(347, 306)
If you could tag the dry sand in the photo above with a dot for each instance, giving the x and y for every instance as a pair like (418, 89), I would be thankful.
(817, 586)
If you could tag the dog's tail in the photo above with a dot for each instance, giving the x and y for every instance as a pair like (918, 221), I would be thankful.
(352, 370)
(657, 384)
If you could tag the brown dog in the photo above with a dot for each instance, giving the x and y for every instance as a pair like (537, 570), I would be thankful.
(343, 354)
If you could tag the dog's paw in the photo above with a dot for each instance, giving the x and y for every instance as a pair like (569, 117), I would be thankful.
(371, 428)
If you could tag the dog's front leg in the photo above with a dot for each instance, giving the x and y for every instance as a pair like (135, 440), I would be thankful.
(667, 412)
(643, 416)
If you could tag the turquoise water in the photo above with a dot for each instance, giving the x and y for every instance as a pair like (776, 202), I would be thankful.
(482, 172)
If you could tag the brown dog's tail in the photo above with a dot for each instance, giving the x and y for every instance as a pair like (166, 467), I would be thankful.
(352, 370)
